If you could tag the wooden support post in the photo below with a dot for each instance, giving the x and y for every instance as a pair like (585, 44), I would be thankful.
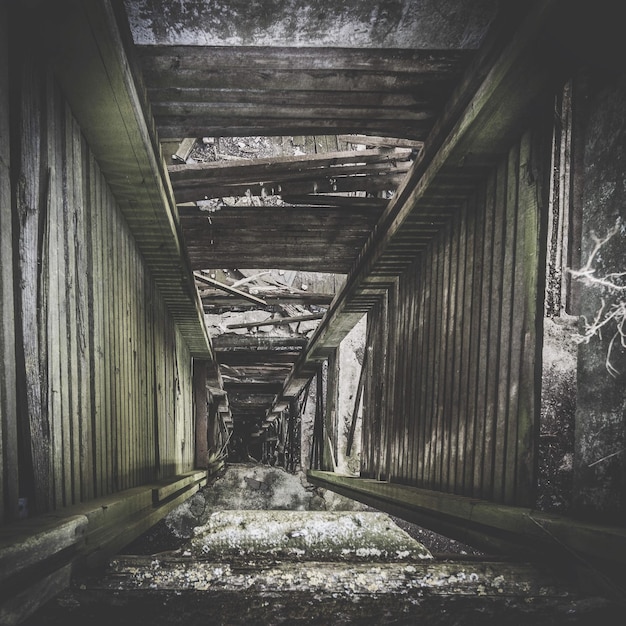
(200, 372)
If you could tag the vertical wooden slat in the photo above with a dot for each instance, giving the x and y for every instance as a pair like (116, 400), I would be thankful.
(491, 399)
(483, 364)
(83, 306)
(418, 355)
(464, 408)
(429, 407)
(502, 459)
(531, 259)
(9, 479)
(455, 333)
(54, 140)
(31, 197)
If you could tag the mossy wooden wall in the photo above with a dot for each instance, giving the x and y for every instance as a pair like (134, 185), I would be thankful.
(96, 392)
(451, 400)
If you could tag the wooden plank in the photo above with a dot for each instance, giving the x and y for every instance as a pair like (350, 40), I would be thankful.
(466, 269)
(8, 382)
(19, 607)
(502, 458)
(251, 170)
(496, 218)
(279, 321)
(452, 360)
(516, 529)
(184, 150)
(384, 142)
(457, 399)
(54, 143)
(262, 58)
(169, 127)
(200, 375)
(322, 184)
(228, 289)
(485, 325)
(305, 79)
(32, 203)
(200, 112)
(472, 439)
(85, 304)
(532, 259)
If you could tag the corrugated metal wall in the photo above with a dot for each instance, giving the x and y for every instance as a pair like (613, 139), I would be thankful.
(104, 387)
(451, 396)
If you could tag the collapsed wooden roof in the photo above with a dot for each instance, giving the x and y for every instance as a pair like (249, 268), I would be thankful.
(227, 69)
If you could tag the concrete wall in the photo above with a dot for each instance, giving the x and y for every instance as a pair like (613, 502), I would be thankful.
(600, 459)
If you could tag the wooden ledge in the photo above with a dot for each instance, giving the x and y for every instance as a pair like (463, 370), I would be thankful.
(39, 554)
(488, 525)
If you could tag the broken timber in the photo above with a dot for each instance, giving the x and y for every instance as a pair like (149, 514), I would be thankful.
(229, 289)
(279, 322)
(351, 170)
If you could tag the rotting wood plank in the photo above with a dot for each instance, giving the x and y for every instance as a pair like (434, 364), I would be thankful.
(502, 460)
(515, 528)
(8, 383)
(31, 205)
(175, 127)
(471, 441)
(279, 321)
(198, 112)
(228, 289)
(326, 184)
(385, 142)
(54, 142)
(249, 170)
(293, 79)
(532, 259)
(428, 97)
(262, 58)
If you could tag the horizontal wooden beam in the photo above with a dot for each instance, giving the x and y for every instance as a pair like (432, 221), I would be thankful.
(486, 524)
(261, 169)
(264, 58)
(385, 142)
(385, 181)
(213, 300)
(279, 321)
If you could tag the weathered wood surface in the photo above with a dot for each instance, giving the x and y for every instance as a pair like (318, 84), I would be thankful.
(84, 46)
(458, 403)
(384, 142)
(476, 127)
(8, 395)
(103, 374)
(279, 321)
(488, 524)
(274, 91)
(304, 237)
(249, 171)
(38, 555)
